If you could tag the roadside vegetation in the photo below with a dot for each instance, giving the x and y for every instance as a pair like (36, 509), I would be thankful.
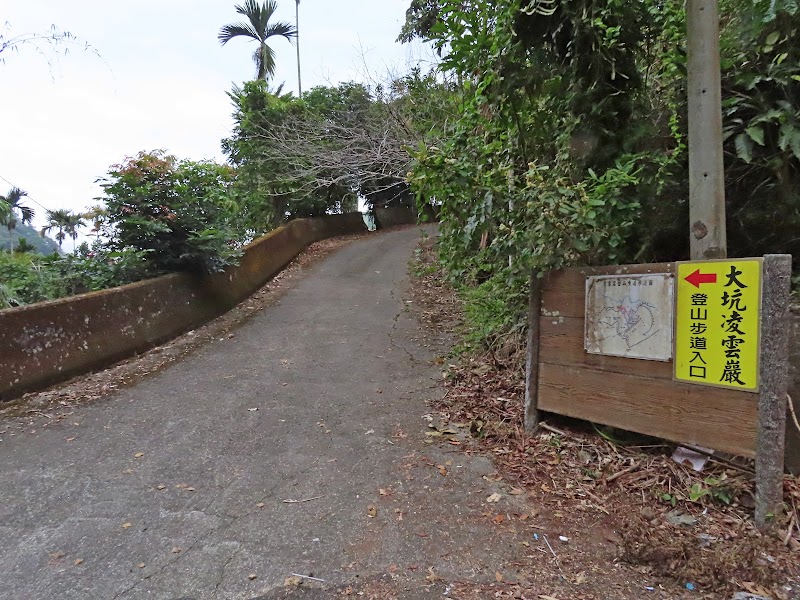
(565, 144)
(565, 140)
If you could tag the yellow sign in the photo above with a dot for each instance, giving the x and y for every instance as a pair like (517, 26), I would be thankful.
(717, 322)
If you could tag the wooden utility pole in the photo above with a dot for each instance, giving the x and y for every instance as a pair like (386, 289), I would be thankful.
(297, 40)
(708, 238)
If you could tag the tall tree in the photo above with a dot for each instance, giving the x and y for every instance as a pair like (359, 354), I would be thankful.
(67, 222)
(74, 222)
(57, 219)
(97, 215)
(260, 29)
(12, 208)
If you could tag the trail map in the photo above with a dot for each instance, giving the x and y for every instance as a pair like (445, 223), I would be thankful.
(630, 315)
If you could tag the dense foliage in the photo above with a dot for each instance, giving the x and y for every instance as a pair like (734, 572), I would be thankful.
(289, 158)
(27, 277)
(184, 214)
(161, 215)
(321, 153)
(570, 144)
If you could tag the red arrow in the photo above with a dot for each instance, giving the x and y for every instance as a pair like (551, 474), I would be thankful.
(698, 278)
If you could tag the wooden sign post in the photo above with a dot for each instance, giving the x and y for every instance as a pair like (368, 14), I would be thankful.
(773, 387)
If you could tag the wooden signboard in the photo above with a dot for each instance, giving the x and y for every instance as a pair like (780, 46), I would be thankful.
(636, 395)
(708, 385)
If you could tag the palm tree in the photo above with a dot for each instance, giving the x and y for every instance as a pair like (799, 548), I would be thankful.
(57, 219)
(297, 40)
(259, 29)
(97, 216)
(76, 221)
(5, 212)
(11, 204)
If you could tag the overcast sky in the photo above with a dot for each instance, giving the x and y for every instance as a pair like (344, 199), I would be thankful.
(159, 81)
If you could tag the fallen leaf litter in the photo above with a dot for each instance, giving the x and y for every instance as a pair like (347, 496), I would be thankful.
(670, 521)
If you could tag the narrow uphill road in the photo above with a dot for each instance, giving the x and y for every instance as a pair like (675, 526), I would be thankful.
(296, 446)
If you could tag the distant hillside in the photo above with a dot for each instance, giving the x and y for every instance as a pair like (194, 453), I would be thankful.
(45, 245)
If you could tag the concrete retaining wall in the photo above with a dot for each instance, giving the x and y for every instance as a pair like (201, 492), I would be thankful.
(47, 342)
(389, 217)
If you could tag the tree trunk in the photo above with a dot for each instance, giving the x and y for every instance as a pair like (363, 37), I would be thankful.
(277, 213)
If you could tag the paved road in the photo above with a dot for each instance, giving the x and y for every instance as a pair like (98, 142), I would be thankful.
(180, 486)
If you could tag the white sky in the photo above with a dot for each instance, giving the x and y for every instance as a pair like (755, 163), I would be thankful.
(160, 81)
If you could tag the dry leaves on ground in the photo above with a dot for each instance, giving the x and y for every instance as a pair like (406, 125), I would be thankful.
(672, 521)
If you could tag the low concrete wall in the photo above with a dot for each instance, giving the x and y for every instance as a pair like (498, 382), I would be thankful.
(44, 343)
(389, 217)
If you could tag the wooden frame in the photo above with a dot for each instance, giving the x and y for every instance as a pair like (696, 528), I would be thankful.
(641, 395)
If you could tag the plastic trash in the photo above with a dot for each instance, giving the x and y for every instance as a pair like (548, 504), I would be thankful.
(695, 459)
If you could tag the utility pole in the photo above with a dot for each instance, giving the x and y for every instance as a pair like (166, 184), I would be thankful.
(708, 239)
(297, 39)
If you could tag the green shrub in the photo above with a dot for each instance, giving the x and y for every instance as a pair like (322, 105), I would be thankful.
(182, 214)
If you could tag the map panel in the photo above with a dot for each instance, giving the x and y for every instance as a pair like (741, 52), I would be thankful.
(630, 315)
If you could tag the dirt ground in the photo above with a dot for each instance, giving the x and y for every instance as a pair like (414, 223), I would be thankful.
(627, 509)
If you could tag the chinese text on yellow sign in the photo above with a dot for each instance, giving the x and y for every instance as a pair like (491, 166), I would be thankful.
(717, 323)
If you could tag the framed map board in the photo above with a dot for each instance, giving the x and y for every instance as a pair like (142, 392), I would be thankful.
(630, 315)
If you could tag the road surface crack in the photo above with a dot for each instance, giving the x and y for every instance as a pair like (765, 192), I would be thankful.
(225, 567)
(393, 330)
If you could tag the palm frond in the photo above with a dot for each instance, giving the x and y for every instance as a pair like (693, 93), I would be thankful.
(281, 28)
(14, 196)
(264, 57)
(26, 214)
(228, 32)
(250, 7)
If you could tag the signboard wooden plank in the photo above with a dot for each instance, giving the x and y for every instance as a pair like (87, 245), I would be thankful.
(564, 291)
(715, 418)
(561, 343)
